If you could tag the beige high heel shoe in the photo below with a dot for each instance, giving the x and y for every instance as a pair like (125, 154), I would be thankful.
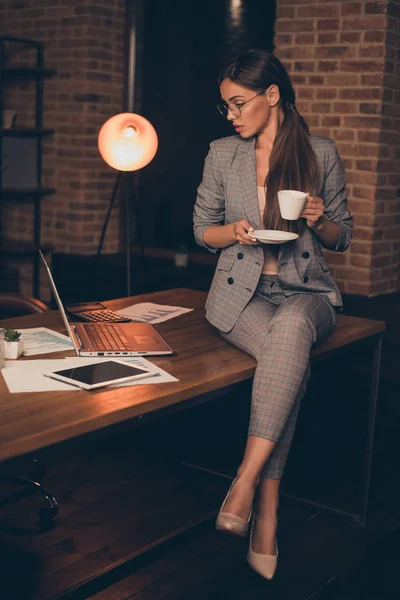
(231, 523)
(264, 564)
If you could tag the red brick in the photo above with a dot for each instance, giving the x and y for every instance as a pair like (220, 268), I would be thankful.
(344, 135)
(316, 80)
(345, 107)
(372, 80)
(321, 131)
(362, 207)
(328, 37)
(330, 121)
(362, 122)
(285, 12)
(361, 247)
(328, 24)
(367, 193)
(375, 7)
(284, 39)
(351, 8)
(304, 66)
(336, 51)
(364, 23)
(321, 107)
(313, 120)
(366, 165)
(360, 66)
(372, 51)
(370, 108)
(328, 66)
(358, 288)
(374, 36)
(305, 93)
(363, 178)
(326, 93)
(350, 37)
(305, 38)
(358, 260)
(343, 79)
(310, 11)
(295, 26)
(360, 93)
(298, 79)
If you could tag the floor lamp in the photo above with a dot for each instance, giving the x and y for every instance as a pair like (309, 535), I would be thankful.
(127, 142)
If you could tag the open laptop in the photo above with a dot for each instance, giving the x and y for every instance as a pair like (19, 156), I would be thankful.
(110, 339)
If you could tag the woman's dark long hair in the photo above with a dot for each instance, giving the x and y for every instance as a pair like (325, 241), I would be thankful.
(292, 164)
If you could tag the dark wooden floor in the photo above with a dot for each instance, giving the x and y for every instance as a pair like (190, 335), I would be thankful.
(125, 491)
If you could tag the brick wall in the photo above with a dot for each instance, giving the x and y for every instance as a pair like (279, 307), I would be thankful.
(344, 61)
(84, 43)
(343, 58)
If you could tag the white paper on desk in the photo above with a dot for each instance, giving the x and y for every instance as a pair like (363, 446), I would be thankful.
(149, 312)
(27, 375)
(40, 340)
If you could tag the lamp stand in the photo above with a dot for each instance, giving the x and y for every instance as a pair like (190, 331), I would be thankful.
(128, 199)
(125, 184)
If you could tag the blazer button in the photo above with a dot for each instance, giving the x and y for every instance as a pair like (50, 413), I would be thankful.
(240, 256)
(306, 255)
(305, 279)
(230, 280)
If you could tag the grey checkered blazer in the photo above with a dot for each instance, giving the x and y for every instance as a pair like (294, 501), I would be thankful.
(228, 193)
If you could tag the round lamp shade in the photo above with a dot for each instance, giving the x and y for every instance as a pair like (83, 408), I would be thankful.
(127, 142)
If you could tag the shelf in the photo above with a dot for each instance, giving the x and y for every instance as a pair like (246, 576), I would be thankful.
(27, 73)
(21, 195)
(22, 132)
(30, 189)
(11, 249)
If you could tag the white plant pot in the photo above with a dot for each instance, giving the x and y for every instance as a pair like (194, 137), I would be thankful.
(12, 350)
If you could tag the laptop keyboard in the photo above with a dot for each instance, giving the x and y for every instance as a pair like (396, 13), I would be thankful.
(105, 336)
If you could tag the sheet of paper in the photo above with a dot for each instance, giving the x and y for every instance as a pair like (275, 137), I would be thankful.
(149, 312)
(40, 340)
(28, 375)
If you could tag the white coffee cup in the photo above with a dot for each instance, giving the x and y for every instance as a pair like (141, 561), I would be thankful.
(291, 203)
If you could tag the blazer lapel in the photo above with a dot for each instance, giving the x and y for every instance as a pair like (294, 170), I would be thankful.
(248, 182)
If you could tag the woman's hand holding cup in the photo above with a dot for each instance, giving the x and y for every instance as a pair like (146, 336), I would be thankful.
(313, 211)
(294, 205)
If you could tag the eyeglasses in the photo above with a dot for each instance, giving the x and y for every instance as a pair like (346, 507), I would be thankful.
(235, 109)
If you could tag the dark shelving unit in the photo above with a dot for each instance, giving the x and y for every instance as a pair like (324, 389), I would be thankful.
(25, 194)
(27, 72)
(23, 132)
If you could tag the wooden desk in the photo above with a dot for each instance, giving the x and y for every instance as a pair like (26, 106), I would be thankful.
(203, 363)
(205, 366)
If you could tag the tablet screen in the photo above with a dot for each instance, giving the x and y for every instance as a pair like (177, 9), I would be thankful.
(100, 372)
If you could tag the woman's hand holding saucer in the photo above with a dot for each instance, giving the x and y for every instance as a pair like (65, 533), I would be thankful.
(313, 212)
(240, 232)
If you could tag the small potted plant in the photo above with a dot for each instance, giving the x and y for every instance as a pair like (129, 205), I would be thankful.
(12, 344)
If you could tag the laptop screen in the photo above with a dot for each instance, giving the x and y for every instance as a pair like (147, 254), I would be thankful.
(58, 300)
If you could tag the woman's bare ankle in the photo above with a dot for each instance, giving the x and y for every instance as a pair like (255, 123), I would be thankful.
(245, 476)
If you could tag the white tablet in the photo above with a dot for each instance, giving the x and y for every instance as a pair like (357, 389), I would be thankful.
(100, 374)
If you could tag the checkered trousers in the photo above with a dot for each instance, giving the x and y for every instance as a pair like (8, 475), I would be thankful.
(279, 332)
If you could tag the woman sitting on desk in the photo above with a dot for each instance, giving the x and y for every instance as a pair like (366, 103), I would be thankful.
(272, 301)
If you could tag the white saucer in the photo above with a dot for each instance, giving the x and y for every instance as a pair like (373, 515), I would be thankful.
(272, 236)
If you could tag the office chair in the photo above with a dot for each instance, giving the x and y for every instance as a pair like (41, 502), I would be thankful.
(16, 305)
(13, 305)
